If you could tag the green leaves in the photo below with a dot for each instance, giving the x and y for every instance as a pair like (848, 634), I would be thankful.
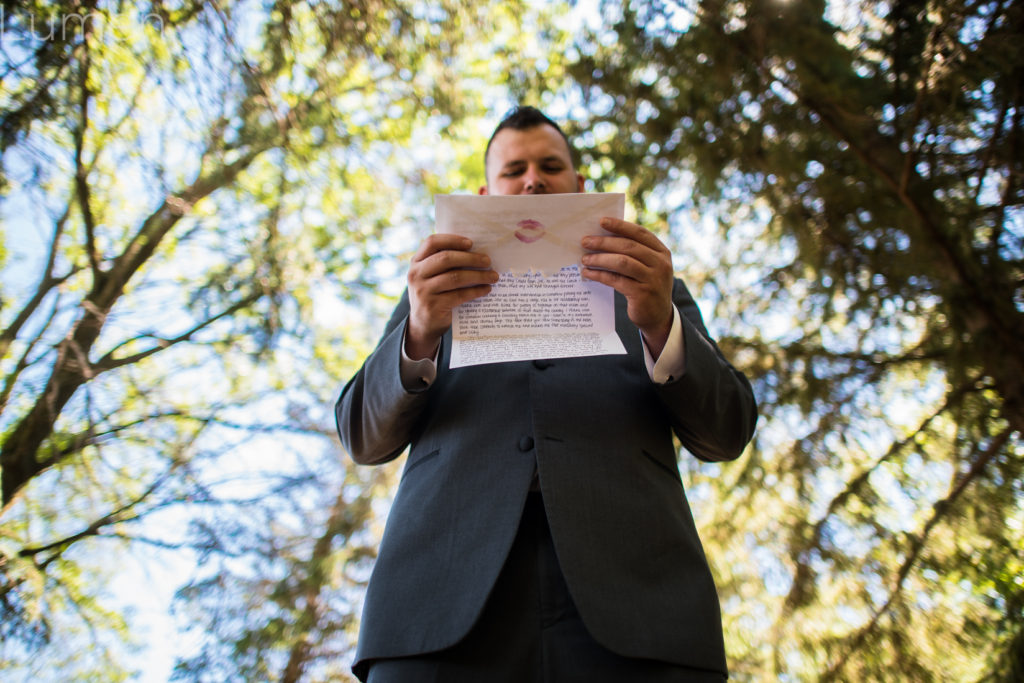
(866, 281)
(209, 208)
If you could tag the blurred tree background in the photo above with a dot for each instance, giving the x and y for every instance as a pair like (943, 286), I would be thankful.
(207, 208)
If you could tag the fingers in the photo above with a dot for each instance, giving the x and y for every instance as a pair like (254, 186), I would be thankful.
(440, 242)
(449, 273)
(628, 239)
(632, 252)
(444, 274)
(634, 232)
(625, 265)
(444, 263)
(441, 253)
(635, 284)
(634, 262)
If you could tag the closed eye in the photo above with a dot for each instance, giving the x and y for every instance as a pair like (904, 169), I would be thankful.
(513, 170)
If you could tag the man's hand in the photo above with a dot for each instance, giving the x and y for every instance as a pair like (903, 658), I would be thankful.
(636, 264)
(443, 275)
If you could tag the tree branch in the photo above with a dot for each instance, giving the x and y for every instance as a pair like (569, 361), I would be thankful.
(109, 362)
(81, 172)
(156, 226)
(19, 461)
(803, 572)
(46, 284)
(939, 511)
(117, 515)
(11, 377)
(83, 440)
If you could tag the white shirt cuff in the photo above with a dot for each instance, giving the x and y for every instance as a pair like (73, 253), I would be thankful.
(671, 364)
(417, 375)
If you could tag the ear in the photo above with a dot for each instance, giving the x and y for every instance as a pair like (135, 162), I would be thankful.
(482, 190)
(579, 182)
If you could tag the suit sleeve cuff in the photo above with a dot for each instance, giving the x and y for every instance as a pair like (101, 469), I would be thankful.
(671, 364)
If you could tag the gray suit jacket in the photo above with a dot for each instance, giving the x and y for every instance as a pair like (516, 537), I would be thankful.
(600, 434)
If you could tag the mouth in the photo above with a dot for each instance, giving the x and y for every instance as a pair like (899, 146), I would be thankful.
(529, 231)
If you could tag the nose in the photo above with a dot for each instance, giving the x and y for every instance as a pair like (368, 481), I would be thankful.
(533, 183)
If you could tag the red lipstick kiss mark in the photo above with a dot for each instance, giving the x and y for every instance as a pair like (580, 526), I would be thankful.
(529, 231)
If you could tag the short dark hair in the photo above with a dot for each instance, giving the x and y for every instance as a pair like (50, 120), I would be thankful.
(525, 117)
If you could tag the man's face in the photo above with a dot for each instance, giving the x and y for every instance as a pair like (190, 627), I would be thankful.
(531, 161)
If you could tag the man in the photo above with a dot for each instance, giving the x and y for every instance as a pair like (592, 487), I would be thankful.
(540, 531)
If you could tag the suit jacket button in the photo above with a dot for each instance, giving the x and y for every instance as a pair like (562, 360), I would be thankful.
(526, 443)
(542, 364)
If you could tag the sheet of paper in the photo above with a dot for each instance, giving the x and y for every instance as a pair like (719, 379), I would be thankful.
(529, 316)
(524, 233)
(540, 307)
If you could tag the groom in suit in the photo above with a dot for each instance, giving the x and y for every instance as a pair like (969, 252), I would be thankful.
(540, 531)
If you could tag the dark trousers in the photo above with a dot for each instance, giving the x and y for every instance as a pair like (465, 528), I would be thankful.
(530, 631)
